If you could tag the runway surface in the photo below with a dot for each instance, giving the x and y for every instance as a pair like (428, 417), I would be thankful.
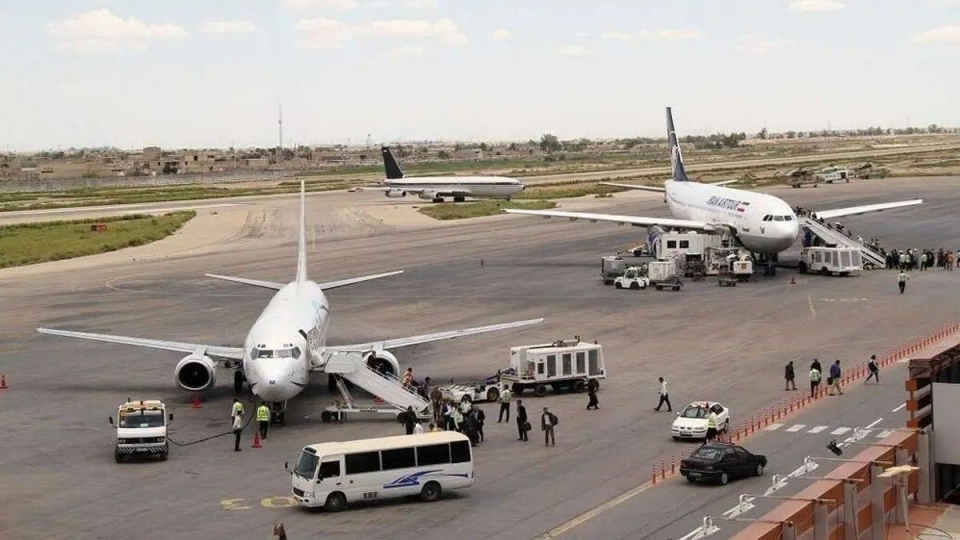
(58, 478)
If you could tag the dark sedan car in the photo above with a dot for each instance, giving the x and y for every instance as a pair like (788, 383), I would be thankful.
(720, 462)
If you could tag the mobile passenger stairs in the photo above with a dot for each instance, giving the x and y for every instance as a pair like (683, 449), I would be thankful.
(832, 237)
(393, 397)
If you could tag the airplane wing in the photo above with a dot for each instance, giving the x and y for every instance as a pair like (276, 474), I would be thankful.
(854, 210)
(427, 338)
(637, 221)
(245, 281)
(724, 182)
(231, 353)
(631, 186)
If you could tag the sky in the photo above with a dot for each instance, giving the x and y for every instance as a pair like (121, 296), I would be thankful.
(212, 73)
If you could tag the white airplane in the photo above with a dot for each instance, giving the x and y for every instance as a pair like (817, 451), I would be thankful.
(763, 224)
(436, 188)
(277, 357)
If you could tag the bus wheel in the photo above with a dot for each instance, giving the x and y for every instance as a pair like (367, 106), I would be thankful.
(579, 386)
(335, 502)
(540, 390)
(430, 492)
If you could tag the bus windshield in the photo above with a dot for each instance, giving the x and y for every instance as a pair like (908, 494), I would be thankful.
(307, 465)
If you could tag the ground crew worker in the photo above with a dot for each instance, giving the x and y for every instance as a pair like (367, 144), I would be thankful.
(835, 378)
(505, 398)
(237, 408)
(263, 419)
(814, 380)
(874, 370)
(548, 422)
(711, 425)
(902, 280)
(790, 376)
(237, 431)
(664, 396)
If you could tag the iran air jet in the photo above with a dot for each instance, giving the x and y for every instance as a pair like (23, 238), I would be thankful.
(763, 224)
(436, 188)
(286, 342)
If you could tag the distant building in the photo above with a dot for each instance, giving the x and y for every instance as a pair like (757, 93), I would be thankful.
(256, 162)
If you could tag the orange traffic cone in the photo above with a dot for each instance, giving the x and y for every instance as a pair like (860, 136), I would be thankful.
(256, 439)
(196, 402)
(3, 382)
(793, 280)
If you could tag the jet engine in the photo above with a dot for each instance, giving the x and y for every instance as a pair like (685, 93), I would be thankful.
(429, 195)
(196, 373)
(653, 234)
(383, 361)
(395, 193)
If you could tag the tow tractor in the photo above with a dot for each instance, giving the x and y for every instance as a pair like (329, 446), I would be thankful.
(474, 393)
(563, 365)
(141, 429)
(633, 278)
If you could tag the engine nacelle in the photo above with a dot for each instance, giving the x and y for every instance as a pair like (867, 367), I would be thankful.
(395, 193)
(383, 361)
(196, 374)
(429, 195)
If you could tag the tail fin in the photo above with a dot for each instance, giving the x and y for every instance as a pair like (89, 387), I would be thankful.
(302, 243)
(390, 164)
(676, 158)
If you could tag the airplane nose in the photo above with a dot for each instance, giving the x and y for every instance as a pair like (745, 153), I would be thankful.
(275, 377)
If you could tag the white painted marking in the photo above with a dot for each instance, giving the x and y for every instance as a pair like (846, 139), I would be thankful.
(875, 422)
(901, 406)
(812, 310)
(884, 433)
(795, 428)
(817, 429)
(840, 431)
(773, 427)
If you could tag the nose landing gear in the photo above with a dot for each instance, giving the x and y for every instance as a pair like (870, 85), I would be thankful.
(278, 411)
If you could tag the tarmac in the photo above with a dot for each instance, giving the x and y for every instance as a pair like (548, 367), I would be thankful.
(58, 478)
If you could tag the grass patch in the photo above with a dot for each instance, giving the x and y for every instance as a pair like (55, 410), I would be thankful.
(444, 211)
(566, 191)
(32, 243)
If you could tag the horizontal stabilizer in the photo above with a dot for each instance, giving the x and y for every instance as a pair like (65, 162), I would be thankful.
(854, 210)
(427, 338)
(245, 281)
(631, 186)
(343, 282)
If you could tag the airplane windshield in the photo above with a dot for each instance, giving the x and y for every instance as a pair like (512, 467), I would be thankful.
(278, 353)
(141, 419)
(788, 218)
(778, 218)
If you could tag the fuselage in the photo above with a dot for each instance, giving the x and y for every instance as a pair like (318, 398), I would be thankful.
(276, 358)
(475, 186)
(763, 223)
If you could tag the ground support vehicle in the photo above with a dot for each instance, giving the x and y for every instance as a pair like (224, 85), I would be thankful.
(632, 279)
(562, 365)
(142, 430)
(826, 261)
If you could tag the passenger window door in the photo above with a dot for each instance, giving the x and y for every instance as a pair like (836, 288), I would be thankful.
(567, 359)
(330, 471)
(581, 363)
(551, 365)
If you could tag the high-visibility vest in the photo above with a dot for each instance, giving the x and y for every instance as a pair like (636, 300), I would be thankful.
(815, 375)
(263, 414)
(237, 409)
(712, 421)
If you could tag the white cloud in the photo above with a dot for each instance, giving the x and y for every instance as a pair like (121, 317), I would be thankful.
(944, 3)
(574, 50)
(377, 4)
(501, 35)
(816, 6)
(582, 34)
(323, 33)
(102, 30)
(340, 5)
(407, 52)
(421, 4)
(652, 35)
(227, 27)
(750, 43)
(949, 35)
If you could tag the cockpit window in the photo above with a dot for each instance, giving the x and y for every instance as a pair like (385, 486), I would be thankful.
(768, 217)
(788, 218)
(278, 353)
(778, 218)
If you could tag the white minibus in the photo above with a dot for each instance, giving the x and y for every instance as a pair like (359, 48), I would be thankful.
(336, 473)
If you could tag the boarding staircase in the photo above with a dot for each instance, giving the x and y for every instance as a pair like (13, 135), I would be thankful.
(834, 238)
(351, 366)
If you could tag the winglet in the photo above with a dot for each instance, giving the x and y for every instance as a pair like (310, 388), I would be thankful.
(302, 243)
(676, 157)
(390, 164)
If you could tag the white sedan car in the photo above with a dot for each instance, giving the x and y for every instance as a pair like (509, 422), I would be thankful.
(691, 422)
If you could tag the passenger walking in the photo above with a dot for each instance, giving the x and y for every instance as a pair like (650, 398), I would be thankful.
(481, 418)
(592, 387)
(874, 370)
(505, 398)
(408, 378)
(436, 402)
(418, 428)
(409, 420)
(835, 375)
(790, 376)
(548, 422)
(664, 396)
(902, 280)
(522, 426)
(263, 419)
(814, 380)
(237, 431)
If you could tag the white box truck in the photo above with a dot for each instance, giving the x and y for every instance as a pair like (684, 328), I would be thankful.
(142, 429)
(563, 365)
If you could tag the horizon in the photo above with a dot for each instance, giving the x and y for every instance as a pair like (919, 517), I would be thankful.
(129, 75)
